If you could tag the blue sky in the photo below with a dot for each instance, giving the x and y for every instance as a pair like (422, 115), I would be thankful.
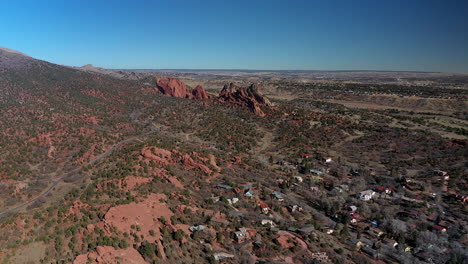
(255, 34)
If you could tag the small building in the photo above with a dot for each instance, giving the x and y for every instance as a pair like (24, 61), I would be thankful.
(316, 172)
(294, 208)
(366, 195)
(442, 174)
(370, 252)
(352, 209)
(354, 218)
(298, 179)
(328, 229)
(387, 190)
(321, 257)
(278, 196)
(224, 186)
(259, 246)
(391, 242)
(197, 228)
(242, 235)
(268, 222)
(222, 255)
(439, 228)
(265, 208)
(233, 200)
(249, 194)
(354, 243)
(306, 230)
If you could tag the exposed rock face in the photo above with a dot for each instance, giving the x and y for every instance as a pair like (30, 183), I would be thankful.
(173, 87)
(200, 93)
(245, 96)
(109, 254)
(176, 88)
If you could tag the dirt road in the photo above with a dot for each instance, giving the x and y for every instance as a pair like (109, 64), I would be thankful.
(76, 170)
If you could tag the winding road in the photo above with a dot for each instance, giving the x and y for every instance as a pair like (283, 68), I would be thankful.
(62, 177)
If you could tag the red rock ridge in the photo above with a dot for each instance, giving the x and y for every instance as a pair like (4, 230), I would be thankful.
(250, 97)
(176, 88)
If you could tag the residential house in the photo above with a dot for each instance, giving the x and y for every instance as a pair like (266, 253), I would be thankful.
(278, 196)
(265, 208)
(382, 189)
(298, 179)
(316, 172)
(197, 228)
(242, 235)
(224, 186)
(328, 229)
(439, 228)
(371, 252)
(354, 218)
(215, 198)
(442, 174)
(352, 209)
(306, 230)
(233, 200)
(390, 242)
(294, 208)
(366, 195)
(354, 243)
(268, 222)
(321, 257)
(249, 193)
(259, 246)
(222, 255)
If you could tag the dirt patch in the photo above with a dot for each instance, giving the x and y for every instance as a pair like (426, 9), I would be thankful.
(140, 218)
(30, 254)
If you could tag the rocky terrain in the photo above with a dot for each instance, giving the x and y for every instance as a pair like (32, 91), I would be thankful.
(270, 167)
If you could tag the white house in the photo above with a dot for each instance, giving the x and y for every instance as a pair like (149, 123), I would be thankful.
(268, 222)
(366, 195)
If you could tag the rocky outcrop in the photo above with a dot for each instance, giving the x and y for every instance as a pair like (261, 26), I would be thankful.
(200, 93)
(109, 254)
(176, 88)
(250, 97)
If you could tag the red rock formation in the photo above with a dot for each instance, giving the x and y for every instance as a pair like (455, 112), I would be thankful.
(173, 87)
(109, 254)
(244, 96)
(200, 93)
(176, 88)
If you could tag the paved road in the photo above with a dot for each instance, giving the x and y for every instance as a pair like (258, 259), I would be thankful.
(61, 178)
